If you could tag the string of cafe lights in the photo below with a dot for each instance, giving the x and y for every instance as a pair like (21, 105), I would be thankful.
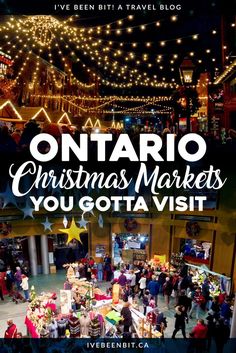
(109, 100)
(114, 68)
(113, 109)
(116, 98)
(31, 44)
(128, 109)
(108, 82)
(42, 29)
(59, 51)
(51, 61)
(136, 113)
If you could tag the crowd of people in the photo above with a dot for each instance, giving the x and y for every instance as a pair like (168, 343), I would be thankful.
(146, 285)
(13, 282)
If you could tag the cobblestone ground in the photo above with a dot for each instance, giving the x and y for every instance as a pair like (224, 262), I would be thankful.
(54, 282)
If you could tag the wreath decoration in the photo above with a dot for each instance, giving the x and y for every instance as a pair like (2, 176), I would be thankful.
(192, 229)
(130, 224)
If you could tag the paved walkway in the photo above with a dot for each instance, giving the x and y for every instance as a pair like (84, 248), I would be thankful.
(54, 282)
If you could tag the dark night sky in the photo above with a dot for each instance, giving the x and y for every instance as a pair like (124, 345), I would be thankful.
(196, 17)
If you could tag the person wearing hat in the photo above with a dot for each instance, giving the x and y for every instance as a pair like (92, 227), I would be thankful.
(11, 331)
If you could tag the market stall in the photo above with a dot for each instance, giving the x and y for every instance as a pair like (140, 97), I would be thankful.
(142, 326)
(39, 313)
(129, 247)
(218, 282)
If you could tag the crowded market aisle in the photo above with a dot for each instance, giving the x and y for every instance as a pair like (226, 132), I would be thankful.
(54, 283)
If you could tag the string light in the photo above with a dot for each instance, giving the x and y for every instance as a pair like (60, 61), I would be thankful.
(64, 116)
(42, 110)
(47, 32)
(228, 70)
(8, 102)
(174, 18)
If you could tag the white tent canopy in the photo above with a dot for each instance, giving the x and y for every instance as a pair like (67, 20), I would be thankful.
(205, 269)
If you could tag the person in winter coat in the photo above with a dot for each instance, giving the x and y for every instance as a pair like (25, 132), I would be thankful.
(133, 282)
(11, 331)
(9, 280)
(206, 293)
(25, 286)
(127, 292)
(161, 323)
(197, 301)
(127, 317)
(184, 300)
(122, 280)
(180, 317)
(145, 302)
(215, 307)
(198, 337)
(142, 285)
(153, 287)
(18, 278)
(167, 290)
(221, 335)
(225, 310)
(161, 281)
(2, 284)
(210, 328)
(200, 330)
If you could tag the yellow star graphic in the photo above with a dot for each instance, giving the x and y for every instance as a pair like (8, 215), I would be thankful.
(73, 232)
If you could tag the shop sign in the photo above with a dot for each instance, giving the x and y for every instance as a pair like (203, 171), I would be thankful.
(219, 107)
(160, 259)
(133, 244)
(100, 251)
(139, 255)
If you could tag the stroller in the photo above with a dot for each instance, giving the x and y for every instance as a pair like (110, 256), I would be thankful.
(16, 296)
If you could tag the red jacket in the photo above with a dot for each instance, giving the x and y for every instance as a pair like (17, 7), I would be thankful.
(11, 332)
(199, 331)
(221, 298)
